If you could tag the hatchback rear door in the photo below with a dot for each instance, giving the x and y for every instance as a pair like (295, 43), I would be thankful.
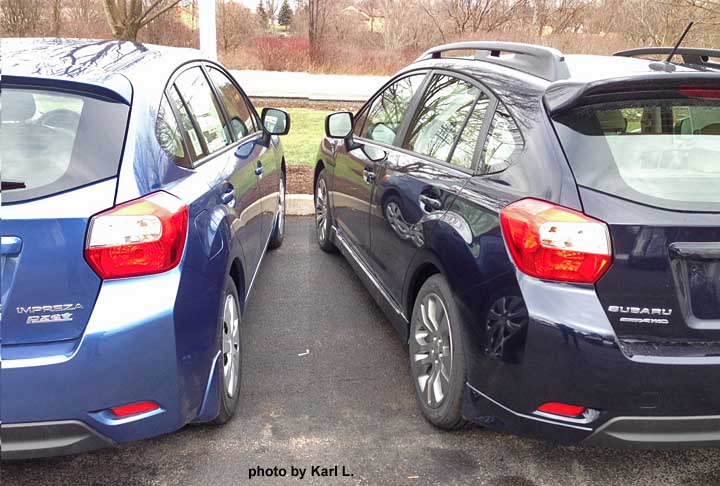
(60, 156)
(648, 164)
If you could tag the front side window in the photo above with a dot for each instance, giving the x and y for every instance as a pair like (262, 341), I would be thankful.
(452, 111)
(200, 101)
(661, 152)
(52, 142)
(241, 120)
(384, 118)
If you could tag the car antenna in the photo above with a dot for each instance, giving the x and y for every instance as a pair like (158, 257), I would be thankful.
(667, 65)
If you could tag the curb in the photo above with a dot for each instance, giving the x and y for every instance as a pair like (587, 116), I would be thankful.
(300, 205)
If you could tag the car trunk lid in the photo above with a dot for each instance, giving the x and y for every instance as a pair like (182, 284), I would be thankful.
(60, 152)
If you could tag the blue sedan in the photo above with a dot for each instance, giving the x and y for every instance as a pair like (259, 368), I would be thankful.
(140, 191)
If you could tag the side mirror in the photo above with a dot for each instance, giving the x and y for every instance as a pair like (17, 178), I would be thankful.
(275, 122)
(339, 125)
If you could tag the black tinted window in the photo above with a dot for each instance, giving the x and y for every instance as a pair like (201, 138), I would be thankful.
(242, 122)
(504, 143)
(51, 142)
(441, 119)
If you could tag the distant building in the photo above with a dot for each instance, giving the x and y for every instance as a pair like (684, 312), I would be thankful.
(373, 22)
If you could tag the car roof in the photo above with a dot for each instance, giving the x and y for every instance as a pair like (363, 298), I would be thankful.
(94, 62)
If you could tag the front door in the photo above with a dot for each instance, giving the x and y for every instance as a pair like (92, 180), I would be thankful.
(377, 127)
(418, 183)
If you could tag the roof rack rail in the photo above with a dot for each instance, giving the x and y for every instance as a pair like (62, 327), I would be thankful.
(543, 62)
(690, 55)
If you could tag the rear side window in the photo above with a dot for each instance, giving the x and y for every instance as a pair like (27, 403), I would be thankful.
(383, 119)
(51, 142)
(169, 135)
(664, 153)
(242, 122)
(200, 101)
(504, 143)
(449, 105)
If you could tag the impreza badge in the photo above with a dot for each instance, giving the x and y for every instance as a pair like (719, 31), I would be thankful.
(49, 314)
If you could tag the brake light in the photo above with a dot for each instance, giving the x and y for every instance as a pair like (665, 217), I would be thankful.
(141, 237)
(134, 409)
(712, 94)
(555, 243)
(562, 409)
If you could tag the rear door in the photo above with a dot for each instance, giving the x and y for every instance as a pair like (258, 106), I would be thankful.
(418, 181)
(377, 128)
(650, 167)
(60, 153)
(226, 154)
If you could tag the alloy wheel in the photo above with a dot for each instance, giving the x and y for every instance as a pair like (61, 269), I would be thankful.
(231, 344)
(321, 210)
(431, 351)
(281, 209)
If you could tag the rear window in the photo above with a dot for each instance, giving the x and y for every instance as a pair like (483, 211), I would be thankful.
(664, 153)
(51, 142)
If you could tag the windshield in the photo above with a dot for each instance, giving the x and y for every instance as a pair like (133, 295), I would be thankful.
(51, 142)
(664, 153)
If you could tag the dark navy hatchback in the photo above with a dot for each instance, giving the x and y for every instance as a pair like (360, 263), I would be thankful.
(544, 232)
(140, 190)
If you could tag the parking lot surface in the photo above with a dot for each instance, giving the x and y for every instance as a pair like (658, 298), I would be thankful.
(325, 384)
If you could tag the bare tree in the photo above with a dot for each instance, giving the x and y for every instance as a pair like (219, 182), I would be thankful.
(235, 24)
(271, 7)
(19, 17)
(470, 16)
(127, 17)
(318, 13)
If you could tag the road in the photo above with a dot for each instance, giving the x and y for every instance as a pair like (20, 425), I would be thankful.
(349, 402)
(313, 87)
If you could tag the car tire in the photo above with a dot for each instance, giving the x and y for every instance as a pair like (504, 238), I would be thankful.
(278, 234)
(230, 347)
(437, 355)
(323, 214)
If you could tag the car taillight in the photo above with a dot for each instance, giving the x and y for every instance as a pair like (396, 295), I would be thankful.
(134, 409)
(141, 237)
(711, 94)
(555, 243)
(562, 409)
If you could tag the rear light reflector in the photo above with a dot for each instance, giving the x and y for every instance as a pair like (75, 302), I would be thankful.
(134, 409)
(551, 242)
(562, 409)
(141, 237)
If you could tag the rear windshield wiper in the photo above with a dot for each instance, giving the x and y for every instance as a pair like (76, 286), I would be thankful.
(11, 185)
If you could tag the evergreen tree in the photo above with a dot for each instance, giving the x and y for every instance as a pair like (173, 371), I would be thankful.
(286, 14)
(262, 14)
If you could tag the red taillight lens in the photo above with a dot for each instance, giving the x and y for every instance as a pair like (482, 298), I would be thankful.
(562, 409)
(134, 409)
(141, 237)
(555, 243)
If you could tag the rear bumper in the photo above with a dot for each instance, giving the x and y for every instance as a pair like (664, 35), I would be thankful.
(48, 439)
(570, 355)
(56, 397)
(658, 432)
(618, 432)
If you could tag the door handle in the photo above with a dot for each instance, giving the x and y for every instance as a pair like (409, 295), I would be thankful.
(228, 194)
(368, 175)
(430, 203)
(10, 246)
(259, 169)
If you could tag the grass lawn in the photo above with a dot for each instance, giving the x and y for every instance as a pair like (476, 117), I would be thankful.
(307, 128)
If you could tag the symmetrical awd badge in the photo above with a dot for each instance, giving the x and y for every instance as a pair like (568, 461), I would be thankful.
(645, 315)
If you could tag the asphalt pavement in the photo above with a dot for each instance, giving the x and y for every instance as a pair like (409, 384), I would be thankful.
(326, 383)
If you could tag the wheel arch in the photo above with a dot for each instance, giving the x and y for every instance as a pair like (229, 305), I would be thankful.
(237, 274)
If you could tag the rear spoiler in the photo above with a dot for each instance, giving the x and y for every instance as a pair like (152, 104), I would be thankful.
(564, 95)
